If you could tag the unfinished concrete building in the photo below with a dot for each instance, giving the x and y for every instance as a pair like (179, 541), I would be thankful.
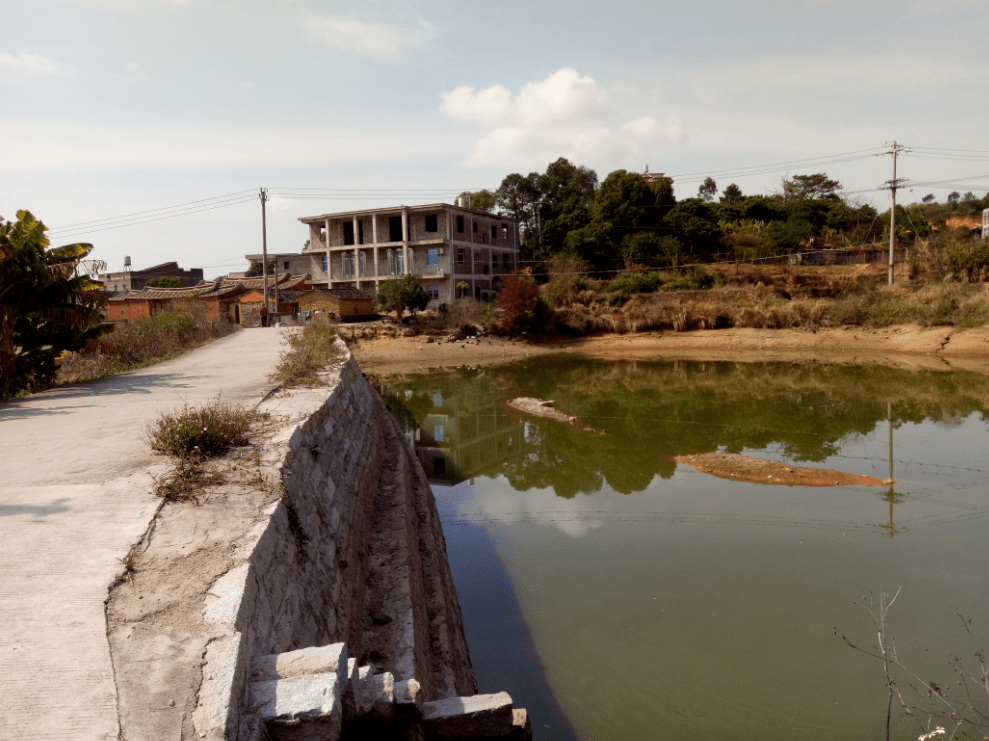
(455, 252)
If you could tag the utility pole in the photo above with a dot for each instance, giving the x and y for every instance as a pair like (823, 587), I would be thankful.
(264, 247)
(894, 150)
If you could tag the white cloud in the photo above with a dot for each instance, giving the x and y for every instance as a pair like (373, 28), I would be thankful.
(33, 145)
(499, 501)
(371, 39)
(133, 72)
(24, 66)
(565, 115)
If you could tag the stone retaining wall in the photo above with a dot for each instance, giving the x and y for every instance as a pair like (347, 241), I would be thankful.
(353, 554)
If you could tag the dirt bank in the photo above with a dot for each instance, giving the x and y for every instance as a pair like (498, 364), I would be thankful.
(901, 346)
(736, 467)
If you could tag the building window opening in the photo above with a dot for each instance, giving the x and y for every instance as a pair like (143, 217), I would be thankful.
(475, 227)
(394, 228)
(348, 264)
(438, 433)
(439, 466)
(434, 291)
(460, 255)
(360, 232)
(348, 232)
(504, 231)
(324, 264)
(431, 223)
(396, 262)
(460, 224)
(362, 263)
(494, 231)
(433, 256)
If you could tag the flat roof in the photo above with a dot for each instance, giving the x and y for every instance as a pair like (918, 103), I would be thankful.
(398, 209)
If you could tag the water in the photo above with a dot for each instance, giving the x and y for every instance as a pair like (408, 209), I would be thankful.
(619, 595)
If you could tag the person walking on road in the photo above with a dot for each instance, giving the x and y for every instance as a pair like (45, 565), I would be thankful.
(264, 315)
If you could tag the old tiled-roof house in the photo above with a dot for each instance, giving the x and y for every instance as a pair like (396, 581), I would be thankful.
(453, 251)
(337, 303)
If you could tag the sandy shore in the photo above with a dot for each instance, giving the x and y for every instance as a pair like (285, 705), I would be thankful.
(901, 346)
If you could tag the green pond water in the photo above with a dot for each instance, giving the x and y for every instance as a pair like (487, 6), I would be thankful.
(618, 595)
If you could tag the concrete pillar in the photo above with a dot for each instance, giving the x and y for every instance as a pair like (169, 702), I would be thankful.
(374, 241)
(405, 239)
(357, 253)
(329, 265)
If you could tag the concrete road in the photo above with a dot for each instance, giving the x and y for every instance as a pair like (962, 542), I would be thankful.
(74, 497)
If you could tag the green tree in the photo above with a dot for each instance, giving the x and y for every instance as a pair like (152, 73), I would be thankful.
(732, 195)
(954, 196)
(520, 197)
(257, 269)
(399, 294)
(929, 198)
(481, 200)
(810, 187)
(707, 190)
(165, 281)
(46, 305)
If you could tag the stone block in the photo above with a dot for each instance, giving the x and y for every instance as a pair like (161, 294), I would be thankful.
(379, 691)
(521, 725)
(408, 702)
(479, 716)
(330, 659)
(355, 704)
(299, 694)
(303, 708)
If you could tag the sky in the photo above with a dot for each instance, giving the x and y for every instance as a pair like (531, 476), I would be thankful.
(147, 127)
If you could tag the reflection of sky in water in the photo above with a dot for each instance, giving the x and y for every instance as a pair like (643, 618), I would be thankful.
(674, 604)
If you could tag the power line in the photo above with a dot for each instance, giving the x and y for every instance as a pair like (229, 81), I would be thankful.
(67, 233)
(152, 211)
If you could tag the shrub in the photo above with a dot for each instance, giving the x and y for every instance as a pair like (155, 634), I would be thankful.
(635, 283)
(310, 351)
(519, 302)
(204, 431)
(566, 279)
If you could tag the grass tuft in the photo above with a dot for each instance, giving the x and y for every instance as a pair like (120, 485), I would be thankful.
(310, 351)
(201, 432)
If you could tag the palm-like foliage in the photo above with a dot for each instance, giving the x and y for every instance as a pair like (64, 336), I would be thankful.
(47, 305)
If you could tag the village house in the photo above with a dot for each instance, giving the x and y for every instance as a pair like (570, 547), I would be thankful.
(238, 299)
(135, 280)
(455, 252)
(336, 303)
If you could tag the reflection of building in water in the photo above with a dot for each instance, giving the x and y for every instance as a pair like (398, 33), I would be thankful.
(464, 434)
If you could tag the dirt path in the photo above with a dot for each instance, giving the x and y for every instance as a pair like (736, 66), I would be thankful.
(736, 467)
(909, 346)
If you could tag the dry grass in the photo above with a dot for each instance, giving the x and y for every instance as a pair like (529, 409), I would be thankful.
(765, 306)
(310, 352)
(145, 341)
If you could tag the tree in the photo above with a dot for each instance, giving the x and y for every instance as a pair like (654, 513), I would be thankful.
(518, 300)
(810, 187)
(399, 294)
(481, 200)
(165, 281)
(47, 305)
(954, 196)
(257, 269)
(707, 190)
(732, 195)
(519, 196)
(929, 198)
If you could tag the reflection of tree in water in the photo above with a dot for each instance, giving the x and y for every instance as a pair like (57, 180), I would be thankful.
(653, 411)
